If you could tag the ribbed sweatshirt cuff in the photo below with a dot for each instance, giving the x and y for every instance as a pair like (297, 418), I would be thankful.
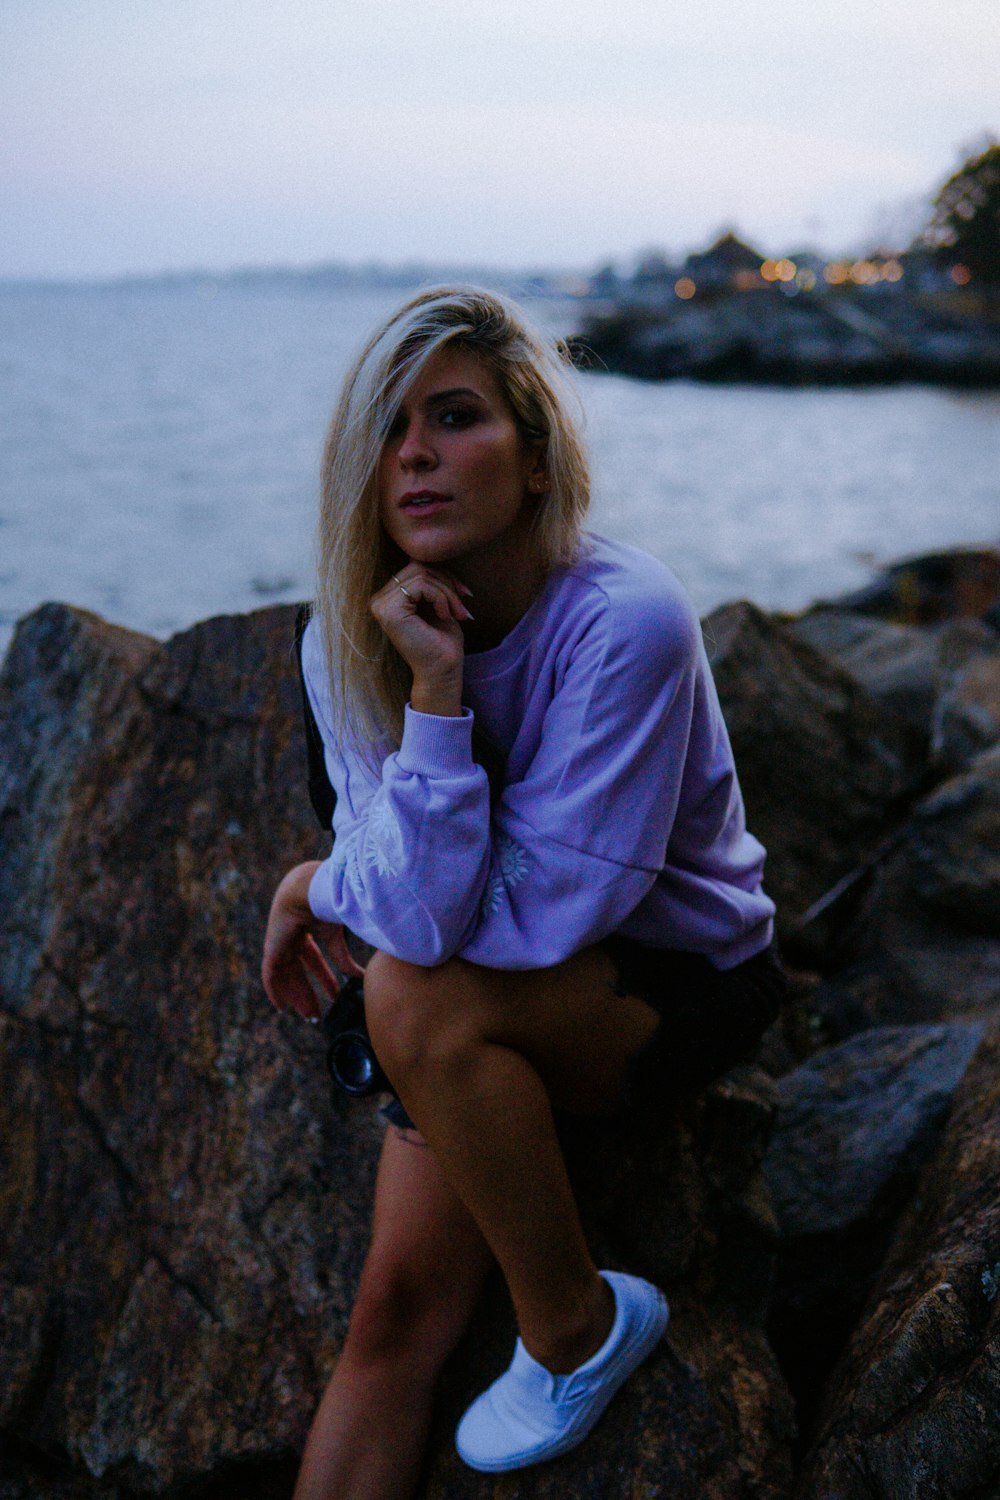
(434, 745)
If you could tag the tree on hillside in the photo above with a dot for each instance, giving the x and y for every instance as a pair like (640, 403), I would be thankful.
(965, 222)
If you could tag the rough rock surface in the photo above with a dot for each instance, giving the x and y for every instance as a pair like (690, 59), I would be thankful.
(825, 770)
(169, 1290)
(182, 1208)
(912, 1410)
(944, 680)
(968, 712)
(925, 944)
(855, 1124)
(963, 583)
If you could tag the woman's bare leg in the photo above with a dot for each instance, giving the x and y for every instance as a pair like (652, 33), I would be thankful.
(422, 1277)
(479, 1056)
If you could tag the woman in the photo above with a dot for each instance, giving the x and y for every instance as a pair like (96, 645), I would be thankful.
(540, 831)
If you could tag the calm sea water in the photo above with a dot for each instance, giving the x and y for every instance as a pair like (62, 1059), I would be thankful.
(161, 446)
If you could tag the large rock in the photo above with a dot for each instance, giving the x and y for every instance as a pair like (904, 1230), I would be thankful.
(825, 770)
(925, 944)
(963, 583)
(944, 679)
(968, 715)
(855, 1125)
(912, 1409)
(170, 1289)
(183, 1208)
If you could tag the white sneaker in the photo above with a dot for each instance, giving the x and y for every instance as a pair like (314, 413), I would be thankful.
(529, 1414)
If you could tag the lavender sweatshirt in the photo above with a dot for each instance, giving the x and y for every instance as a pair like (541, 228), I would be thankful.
(620, 809)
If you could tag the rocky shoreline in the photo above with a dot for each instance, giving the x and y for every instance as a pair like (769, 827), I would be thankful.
(184, 1209)
(873, 336)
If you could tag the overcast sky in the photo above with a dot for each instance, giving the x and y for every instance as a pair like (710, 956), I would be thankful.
(142, 135)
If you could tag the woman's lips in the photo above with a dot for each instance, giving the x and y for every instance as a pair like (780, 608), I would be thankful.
(423, 503)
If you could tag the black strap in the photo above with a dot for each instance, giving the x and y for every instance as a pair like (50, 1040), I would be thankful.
(321, 793)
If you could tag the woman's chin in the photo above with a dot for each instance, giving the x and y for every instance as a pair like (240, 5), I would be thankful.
(433, 551)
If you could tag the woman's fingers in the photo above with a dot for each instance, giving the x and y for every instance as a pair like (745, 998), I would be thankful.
(342, 956)
(416, 569)
(288, 988)
(314, 961)
(416, 584)
(422, 616)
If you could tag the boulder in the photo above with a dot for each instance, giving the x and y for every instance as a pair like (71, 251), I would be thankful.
(954, 845)
(183, 1206)
(911, 1413)
(963, 583)
(925, 943)
(170, 1289)
(855, 1125)
(968, 710)
(826, 771)
(896, 663)
(945, 679)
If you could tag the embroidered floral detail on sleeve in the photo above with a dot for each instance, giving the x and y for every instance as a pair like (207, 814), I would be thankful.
(509, 867)
(384, 839)
(352, 871)
(345, 863)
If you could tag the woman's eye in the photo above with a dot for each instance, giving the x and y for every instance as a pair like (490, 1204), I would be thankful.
(457, 416)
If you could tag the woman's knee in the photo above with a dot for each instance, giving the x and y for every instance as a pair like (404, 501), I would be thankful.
(403, 1314)
(416, 1016)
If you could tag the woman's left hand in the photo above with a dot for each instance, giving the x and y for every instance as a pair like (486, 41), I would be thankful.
(292, 955)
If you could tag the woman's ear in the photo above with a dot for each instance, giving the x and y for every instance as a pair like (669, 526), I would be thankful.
(538, 477)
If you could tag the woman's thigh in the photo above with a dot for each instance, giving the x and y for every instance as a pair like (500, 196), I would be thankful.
(570, 1021)
(426, 1261)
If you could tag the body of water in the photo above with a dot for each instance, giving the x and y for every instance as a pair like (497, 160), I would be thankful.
(162, 442)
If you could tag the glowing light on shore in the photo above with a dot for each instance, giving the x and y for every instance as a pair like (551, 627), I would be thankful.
(785, 269)
(961, 275)
(684, 288)
(836, 273)
(805, 278)
(893, 270)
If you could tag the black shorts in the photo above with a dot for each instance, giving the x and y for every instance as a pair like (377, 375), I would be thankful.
(710, 1019)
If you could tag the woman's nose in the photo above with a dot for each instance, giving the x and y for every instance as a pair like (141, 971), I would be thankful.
(415, 450)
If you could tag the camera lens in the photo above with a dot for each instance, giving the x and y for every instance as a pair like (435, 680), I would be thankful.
(353, 1063)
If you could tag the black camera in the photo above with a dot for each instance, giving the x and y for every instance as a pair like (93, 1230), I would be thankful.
(350, 1056)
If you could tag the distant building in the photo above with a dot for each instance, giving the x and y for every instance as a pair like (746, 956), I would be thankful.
(729, 262)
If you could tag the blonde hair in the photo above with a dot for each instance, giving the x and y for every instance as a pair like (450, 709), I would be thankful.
(369, 680)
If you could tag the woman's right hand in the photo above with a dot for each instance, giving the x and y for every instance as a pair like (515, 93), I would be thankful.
(292, 953)
(421, 611)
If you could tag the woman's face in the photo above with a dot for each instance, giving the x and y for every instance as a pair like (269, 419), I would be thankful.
(455, 478)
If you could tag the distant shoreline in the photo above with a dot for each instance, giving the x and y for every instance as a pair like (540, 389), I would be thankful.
(856, 337)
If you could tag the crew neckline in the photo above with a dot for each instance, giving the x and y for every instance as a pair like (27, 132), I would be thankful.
(480, 664)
